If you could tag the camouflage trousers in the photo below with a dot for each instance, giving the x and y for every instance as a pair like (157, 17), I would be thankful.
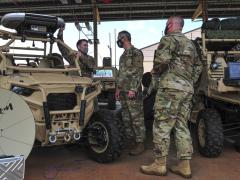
(133, 119)
(172, 111)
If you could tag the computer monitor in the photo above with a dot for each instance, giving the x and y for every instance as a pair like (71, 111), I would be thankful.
(100, 73)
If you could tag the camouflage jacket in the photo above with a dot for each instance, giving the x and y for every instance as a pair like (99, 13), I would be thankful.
(183, 65)
(130, 70)
(86, 62)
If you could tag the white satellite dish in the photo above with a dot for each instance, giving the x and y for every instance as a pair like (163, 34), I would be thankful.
(17, 127)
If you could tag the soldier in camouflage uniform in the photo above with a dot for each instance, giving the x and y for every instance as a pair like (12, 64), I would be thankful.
(86, 62)
(129, 91)
(177, 61)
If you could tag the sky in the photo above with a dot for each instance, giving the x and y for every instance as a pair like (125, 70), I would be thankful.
(143, 33)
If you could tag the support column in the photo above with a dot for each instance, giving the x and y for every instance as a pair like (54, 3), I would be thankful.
(95, 37)
(204, 10)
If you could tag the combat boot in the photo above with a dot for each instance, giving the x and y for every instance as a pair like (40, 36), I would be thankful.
(158, 167)
(183, 169)
(138, 149)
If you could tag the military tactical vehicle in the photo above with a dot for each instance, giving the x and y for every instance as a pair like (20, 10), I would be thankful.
(107, 76)
(217, 99)
(61, 101)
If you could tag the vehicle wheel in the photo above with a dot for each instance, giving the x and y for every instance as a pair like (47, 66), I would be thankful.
(111, 101)
(237, 146)
(148, 110)
(120, 125)
(104, 136)
(209, 133)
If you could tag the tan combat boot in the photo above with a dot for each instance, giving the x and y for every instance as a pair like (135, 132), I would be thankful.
(138, 149)
(183, 169)
(158, 167)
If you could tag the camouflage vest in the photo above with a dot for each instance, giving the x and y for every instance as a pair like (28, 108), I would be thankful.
(130, 70)
(180, 72)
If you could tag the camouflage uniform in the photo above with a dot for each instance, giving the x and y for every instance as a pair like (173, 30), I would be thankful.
(86, 62)
(129, 78)
(173, 101)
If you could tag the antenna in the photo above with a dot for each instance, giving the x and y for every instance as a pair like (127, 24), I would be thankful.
(115, 49)
(110, 46)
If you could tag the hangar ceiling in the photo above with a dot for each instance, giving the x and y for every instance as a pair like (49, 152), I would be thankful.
(114, 10)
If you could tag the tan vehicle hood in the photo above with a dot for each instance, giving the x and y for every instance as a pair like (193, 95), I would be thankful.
(50, 78)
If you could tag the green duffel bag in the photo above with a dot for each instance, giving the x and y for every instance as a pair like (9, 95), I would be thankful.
(222, 34)
(230, 24)
(213, 24)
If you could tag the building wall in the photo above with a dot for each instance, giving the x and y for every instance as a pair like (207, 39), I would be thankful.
(148, 52)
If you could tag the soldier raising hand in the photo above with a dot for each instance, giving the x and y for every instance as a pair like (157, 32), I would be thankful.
(86, 62)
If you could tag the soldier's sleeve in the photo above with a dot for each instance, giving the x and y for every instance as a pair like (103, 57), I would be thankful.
(65, 51)
(163, 54)
(118, 79)
(136, 71)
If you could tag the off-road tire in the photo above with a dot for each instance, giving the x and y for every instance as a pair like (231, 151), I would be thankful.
(148, 104)
(111, 125)
(213, 133)
(111, 101)
(237, 146)
(120, 125)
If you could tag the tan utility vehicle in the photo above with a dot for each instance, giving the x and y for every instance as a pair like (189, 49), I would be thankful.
(62, 102)
(217, 100)
(107, 76)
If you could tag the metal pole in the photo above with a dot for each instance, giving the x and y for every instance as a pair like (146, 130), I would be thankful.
(110, 47)
(95, 38)
(115, 49)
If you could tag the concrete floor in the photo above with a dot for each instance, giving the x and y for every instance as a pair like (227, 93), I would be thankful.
(71, 162)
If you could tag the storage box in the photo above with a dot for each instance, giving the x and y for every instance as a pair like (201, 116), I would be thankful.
(12, 167)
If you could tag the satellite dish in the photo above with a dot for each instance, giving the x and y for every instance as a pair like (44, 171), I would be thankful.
(17, 127)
